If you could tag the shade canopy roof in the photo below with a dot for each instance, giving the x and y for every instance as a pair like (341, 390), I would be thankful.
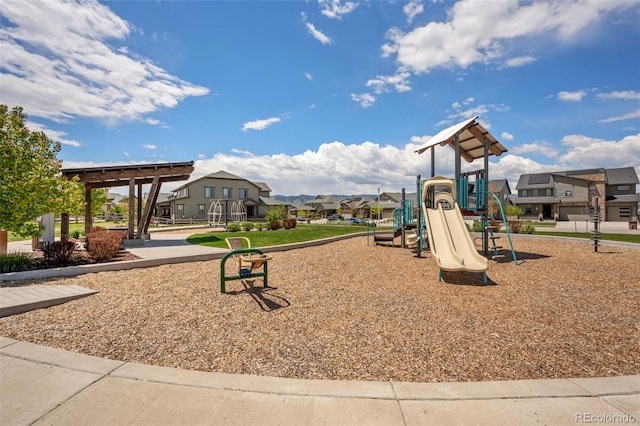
(472, 136)
(110, 176)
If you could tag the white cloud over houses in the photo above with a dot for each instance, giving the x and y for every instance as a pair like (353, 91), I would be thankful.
(339, 168)
(84, 73)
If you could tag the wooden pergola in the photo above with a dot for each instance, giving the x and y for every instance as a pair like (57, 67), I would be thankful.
(132, 176)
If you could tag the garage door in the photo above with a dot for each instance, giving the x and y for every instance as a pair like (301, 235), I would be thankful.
(572, 213)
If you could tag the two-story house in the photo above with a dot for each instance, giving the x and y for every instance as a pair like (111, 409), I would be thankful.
(569, 195)
(194, 199)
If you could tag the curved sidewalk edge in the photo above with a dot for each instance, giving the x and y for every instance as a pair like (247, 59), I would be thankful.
(44, 385)
(165, 251)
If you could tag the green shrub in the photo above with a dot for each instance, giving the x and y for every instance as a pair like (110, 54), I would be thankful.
(248, 226)
(513, 210)
(274, 225)
(260, 226)
(514, 226)
(289, 223)
(75, 234)
(527, 228)
(234, 227)
(102, 245)
(477, 226)
(14, 262)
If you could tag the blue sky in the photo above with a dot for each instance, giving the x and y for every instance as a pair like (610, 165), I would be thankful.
(326, 96)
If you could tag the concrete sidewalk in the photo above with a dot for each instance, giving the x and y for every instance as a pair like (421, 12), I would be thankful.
(42, 386)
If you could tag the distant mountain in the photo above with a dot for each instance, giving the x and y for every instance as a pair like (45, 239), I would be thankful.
(304, 198)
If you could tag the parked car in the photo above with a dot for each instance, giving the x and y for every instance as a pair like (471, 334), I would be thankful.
(354, 220)
(332, 217)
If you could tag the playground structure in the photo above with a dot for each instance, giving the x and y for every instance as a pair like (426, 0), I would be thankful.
(404, 226)
(449, 240)
(216, 216)
(248, 260)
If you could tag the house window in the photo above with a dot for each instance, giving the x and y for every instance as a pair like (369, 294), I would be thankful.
(201, 208)
(548, 192)
(226, 193)
(209, 192)
(523, 193)
(535, 192)
(180, 208)
(183, 192)
(623, 187)
(527, 210)
(244, 193)
(562, 192)
(592, 191)
(625, 211)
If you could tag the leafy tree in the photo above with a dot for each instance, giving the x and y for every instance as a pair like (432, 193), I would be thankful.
(513, 210)
(276, 213)
(375, 210)
(30, 179)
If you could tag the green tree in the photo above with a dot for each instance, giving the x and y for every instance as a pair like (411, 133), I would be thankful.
(276, 213)
(30, 177)
(513, 210)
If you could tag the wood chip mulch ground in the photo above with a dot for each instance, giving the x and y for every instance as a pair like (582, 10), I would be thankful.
(347, 310)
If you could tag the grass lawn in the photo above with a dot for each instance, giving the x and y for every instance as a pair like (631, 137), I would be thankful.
(624, 238)
(302, 232)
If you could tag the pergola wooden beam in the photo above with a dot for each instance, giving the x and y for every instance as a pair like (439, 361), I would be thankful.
(131, 176)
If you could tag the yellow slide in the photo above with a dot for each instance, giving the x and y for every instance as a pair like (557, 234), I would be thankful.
(449, 240)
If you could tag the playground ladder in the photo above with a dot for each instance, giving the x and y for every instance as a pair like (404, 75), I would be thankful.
(488, 228)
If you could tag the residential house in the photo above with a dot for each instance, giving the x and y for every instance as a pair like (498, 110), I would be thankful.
(324, 205)
(389, 201)
(569, 195)
(500, 187)
(194, 199)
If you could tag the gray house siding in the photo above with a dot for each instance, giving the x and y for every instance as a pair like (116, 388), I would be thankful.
(194, 199)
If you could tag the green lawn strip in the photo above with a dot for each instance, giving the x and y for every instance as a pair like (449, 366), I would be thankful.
(624, 238)
(281, 236)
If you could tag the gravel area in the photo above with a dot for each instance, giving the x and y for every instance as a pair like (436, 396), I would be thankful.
(346, 310)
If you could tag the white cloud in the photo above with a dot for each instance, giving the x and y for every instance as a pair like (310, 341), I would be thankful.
(626, 94)
(543, 148)
(149, 146)
(412, 9)
(519, 61)
(259, 124)
(337, 168)
(628, 116)
(84, 73)
(506, 136)
(485, 31)
(54, 135)
(308, 76)
(317, 34)
(571, 96)
(334, 9)
(399, 81)
(126, 154)
(364, 99)
(593, 152)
